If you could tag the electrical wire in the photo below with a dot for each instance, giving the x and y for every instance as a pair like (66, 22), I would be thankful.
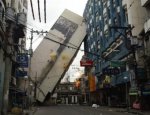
(75, 47)
(32, 10)
(39, 10)
(45, 11)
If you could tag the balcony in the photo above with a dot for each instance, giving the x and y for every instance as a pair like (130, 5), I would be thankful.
(104, 11)
(10, 14)
(145, 2)
(22, 19)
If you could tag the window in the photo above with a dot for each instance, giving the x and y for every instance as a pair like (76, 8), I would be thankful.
(115, 21)
(13, 3)
(25, 3)
(97, 17)
(97, 31)
(108, 11)
(19, 7)
(105, 21)
(125, 14)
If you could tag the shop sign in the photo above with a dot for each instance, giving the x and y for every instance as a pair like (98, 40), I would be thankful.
(22, 60)
(20, 73)
(86, 63)
(111, 71)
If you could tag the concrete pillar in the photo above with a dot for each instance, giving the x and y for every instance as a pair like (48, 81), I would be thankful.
(66, 100)
(76, 99)
(72, 99)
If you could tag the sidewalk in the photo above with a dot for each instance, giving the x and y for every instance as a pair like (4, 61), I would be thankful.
(30, 111)
(133, 111)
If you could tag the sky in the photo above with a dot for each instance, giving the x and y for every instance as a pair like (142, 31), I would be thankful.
(54, 9)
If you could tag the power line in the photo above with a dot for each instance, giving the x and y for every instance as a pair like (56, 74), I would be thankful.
(75, 47)
(45, 11)
(39, 10)
(32, 9)
(68, 46)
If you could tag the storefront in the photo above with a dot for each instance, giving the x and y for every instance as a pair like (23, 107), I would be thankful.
(145, 95)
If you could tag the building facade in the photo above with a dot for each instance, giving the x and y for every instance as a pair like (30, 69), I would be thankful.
(12, 42)
(114, 43)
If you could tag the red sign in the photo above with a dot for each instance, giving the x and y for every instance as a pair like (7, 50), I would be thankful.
(86, 63)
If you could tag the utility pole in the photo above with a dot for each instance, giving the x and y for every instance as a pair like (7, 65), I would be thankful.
(31, 53)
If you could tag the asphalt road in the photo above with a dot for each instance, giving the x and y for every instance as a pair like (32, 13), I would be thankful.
(77, 110)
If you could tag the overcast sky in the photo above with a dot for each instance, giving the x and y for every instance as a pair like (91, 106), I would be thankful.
(53, 10)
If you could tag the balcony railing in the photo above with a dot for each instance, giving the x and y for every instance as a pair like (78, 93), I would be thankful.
(22, 19)
(10, 14)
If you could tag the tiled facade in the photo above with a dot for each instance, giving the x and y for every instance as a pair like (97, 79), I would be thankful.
(115, 33)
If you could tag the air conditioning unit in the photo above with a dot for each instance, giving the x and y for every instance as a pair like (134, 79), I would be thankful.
(10, 14)
(22, 19)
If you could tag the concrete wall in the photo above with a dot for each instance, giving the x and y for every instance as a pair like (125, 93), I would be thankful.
(18, 5)
(136, 15)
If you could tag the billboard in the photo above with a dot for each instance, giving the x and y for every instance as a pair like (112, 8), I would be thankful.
(56, 52)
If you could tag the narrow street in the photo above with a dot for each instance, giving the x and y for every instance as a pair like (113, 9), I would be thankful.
(77, 110)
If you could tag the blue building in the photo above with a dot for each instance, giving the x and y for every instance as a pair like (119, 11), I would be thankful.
(109, 47)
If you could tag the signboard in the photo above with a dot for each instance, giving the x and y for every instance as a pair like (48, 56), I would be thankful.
(111, 71)
(20, 73)
(86, 63)
(22, 60)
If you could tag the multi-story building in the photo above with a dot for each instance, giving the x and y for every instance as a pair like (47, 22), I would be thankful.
(146, 38)
(2, 61)
(113, 26)
(67, 93)
(13, 23)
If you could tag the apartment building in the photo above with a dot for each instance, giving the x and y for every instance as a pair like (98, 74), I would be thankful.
(114, 30)
(13, 24)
